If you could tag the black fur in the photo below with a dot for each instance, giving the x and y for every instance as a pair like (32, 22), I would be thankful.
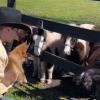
(90, 79)
(56, 52)
(38, 31)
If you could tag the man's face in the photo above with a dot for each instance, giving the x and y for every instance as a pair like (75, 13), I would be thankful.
(11, 34)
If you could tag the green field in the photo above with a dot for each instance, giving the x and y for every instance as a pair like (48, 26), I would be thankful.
(67, 11)
(75, 11)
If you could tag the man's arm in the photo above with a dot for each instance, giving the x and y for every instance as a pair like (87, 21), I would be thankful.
(3, 88)
(2, 66)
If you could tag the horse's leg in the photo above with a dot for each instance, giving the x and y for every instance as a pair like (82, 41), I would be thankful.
(85, 61)
(39, 67)
(43, 71)
(50, 73)
(35, 66)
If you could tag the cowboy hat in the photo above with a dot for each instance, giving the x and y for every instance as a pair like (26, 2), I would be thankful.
(12, 17)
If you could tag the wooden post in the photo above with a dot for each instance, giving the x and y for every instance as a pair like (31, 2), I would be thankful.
(12, 4)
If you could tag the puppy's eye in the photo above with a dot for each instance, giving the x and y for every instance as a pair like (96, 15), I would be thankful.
(23, 53)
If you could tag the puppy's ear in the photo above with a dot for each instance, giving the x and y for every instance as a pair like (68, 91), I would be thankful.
(26, 42)
(80, 78)
(28, 45)
(96, 78)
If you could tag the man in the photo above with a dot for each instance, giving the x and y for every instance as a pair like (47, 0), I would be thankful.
(10, 22)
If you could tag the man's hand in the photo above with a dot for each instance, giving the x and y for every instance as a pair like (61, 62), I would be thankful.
(3, 90)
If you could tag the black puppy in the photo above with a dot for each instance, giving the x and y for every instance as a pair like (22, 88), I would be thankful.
(89, 78)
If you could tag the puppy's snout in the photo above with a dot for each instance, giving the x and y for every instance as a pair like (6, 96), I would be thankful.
(25, 80)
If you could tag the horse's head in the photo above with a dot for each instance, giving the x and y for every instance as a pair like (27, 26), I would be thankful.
(39, 40)
(69, 44)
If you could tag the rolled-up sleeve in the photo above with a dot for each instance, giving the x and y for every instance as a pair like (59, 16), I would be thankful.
(3, 89)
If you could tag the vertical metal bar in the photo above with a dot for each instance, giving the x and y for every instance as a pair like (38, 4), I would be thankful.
(12, 4)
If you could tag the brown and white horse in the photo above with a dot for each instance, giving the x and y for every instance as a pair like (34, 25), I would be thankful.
(78, 49)
(47, 41)
(91, 77)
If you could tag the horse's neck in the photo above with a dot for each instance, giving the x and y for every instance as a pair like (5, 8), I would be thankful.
(52, 40)
(52, 37)
(83, 47)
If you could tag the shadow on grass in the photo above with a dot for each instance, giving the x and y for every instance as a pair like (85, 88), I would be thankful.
(61, 87)
(66, 89)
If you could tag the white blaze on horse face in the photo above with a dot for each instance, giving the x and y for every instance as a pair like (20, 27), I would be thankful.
(35, 37)
(39, 41)
(67, 48)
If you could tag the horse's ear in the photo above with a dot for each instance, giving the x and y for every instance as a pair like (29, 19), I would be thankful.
(40, 23)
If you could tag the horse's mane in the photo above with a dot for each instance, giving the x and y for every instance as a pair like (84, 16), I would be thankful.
(96, 46)
(23, 36)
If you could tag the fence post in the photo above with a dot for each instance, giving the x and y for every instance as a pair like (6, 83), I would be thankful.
(12, 4)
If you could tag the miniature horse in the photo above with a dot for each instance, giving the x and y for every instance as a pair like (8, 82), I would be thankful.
(76, 50)
(47, 41)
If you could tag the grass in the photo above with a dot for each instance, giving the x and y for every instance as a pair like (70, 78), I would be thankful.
(3, 3)
(75, 11)
(67, 11)
(34, 91)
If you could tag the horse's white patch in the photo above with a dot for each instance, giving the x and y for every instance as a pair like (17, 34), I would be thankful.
(84, 43)
(87, 26)
(67, 48)
(38, 46)
(35, 37)
(72, 24)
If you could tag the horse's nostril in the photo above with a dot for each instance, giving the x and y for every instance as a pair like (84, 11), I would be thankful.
(68, 53)
(64, 52)
(37, 54)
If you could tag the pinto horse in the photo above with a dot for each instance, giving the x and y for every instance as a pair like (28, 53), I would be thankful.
(77, 50)
(47, 41)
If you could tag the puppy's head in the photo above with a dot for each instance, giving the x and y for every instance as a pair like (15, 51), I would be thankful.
(21, 51)
(89, 79)
(84, 79)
